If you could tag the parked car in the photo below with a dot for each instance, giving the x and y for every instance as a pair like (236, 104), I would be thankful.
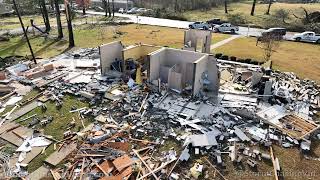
(226, 27)
(133, 10)
(199, 25)
(307, 36)
(142, 10)
(275, 31)
(215, 21)
(121, 10)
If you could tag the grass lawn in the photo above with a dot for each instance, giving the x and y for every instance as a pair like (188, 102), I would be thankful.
(244, 8)
(59, 124)
(300, 58)
(42, 47)
(95, 35)
(13, 22)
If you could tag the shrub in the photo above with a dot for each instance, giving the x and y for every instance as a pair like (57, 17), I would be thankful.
(225, 57)
(218, 55)
(237, 19)
(233, 58)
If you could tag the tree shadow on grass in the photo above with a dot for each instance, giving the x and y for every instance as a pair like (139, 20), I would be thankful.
(47, 47)
(13, 48)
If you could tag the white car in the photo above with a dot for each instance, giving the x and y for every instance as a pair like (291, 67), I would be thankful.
(133, 10)
(226, 27)
(307, 37)
(121, 10)
(142, 10)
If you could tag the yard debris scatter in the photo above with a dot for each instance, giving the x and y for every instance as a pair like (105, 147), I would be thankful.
(152, 119)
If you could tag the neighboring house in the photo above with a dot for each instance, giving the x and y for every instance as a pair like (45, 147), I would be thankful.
(6, 8)
(117, 4)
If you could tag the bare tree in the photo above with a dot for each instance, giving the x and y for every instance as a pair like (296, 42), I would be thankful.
(282, 14)
(253, 7)
(45, 15)
(109, 8)
(24, 30)
(69, 22)
(113, 8)
(105, 6)
(269, 6)
(226, 6)
(58, 17)
(269, 45)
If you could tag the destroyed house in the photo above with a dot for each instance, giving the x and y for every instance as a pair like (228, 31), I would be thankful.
(287, 123)
(181, 70)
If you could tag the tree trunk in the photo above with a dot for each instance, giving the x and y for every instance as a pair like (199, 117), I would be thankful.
(70, 29)
(59, 26)
(105, 6)
(253, 7)
(24, 31)
(269, 6)
(113, 8)
(176, 6)
(109, 8)
(45, 15)
(83, 8)
(226, 6)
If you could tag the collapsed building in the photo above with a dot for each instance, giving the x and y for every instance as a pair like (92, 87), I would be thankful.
(153, 109)
(180, 69)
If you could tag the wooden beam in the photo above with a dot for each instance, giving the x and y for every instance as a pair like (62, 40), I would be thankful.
(273, 164)
(155, 170)
(104, 172)
(82, 167)
(150, 170)
(216, 170)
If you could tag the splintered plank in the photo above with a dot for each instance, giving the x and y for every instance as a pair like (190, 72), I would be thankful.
(56, 157)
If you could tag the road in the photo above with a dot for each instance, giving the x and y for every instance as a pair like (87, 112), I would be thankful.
(244, 31)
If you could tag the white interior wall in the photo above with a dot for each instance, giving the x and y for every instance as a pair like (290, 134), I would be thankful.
(200, 67)
(213, 74)
(108, 53)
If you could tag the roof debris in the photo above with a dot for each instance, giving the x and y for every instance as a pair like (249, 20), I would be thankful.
(145, 131)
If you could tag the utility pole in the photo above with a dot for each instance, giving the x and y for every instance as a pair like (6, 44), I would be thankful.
(59, 26)
(69, 22)
(24, 31)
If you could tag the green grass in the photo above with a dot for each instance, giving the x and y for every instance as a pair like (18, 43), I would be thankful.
(300, 58)
(260, 18)
(61, 117)
(88, 36)
(13, 22)
(42, 47)
(38, 161)
(59, 124)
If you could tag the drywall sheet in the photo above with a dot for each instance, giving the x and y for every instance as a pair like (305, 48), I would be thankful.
(195, 36)
(139, 51)
(108, 54)
(200, 69)
(174, 81)
(164, 73)
(213, 75)
(156, 60)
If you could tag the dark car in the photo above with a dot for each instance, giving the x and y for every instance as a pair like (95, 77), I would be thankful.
(275, 32)
(215, 21)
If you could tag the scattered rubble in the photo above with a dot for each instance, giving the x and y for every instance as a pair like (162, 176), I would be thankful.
(134, 118)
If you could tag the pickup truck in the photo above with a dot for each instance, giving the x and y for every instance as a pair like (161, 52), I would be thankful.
(199, 25)
(226, 27)
(307, 37)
